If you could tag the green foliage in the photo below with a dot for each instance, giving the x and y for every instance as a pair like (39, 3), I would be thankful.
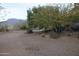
(74, 17)
(3, 27)
(49, 17)
(45, 17)
(4, 30)
(21, 26)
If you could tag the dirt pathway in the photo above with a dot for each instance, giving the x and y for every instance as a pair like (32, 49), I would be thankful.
(19, 44)
(10, 44)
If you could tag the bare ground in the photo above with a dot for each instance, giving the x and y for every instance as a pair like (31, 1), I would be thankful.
(17, 43)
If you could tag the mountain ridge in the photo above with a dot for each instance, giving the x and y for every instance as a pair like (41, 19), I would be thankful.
(14, 21)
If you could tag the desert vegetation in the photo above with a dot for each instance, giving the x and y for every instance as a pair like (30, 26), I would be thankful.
(3, 26)
(54, 19)
(37, 35)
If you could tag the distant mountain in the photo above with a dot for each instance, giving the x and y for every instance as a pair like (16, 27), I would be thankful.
(14, 21)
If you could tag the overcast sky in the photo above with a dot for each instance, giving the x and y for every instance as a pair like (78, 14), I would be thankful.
(16, 10)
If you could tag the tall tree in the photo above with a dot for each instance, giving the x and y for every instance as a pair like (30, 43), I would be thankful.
(48, 17)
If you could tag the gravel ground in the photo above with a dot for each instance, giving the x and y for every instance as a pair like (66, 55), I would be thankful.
(19, 43)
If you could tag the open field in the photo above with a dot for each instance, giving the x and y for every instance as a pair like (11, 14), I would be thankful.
(19, 43)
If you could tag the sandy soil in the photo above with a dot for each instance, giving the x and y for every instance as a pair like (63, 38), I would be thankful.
(17, 43)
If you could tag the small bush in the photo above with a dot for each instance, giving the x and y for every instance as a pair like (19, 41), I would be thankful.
(23, 27)
(54, 35)
(43, 35)
(4, 30)
(29, 31)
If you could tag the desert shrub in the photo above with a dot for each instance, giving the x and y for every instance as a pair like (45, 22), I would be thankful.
(29, 31)
(23, 27)
(54, 35)
(52, 17)
(4, 29)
